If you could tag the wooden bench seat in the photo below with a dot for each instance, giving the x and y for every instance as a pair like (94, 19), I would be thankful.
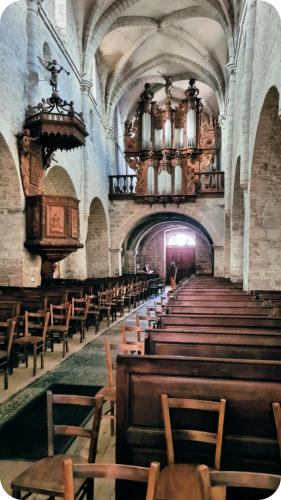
(214, 345)
(249, 386)
(233, 330)
(217, 303)
(252, 311)
(216, 320)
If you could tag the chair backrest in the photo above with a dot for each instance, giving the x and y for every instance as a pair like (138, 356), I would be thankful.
(150, 320)
(156, 310)
(137, 344)
(147, 475)
(277, 419)
(210, 478)
(7, 331)
(39, 319)
(70, 430)
(79, 307)
(193, 435)
(60, 313)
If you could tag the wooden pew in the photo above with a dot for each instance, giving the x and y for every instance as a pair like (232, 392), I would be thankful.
(224, 309)
(219, 302)
(223, 320)
(216, 345)
(234, 330)
(249, 386)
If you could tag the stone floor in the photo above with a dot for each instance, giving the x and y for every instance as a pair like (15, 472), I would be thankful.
(84, 365)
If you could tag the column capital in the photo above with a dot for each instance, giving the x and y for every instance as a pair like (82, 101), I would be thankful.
(85, 86)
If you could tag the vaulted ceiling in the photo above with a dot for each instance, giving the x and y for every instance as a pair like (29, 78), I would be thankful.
(135, 41)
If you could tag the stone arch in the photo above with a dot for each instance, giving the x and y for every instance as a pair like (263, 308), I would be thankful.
(47, 54)
(264, 246)
(58, 182)
(12, 221)
(237, 229)
(97, 242)
(147, 241)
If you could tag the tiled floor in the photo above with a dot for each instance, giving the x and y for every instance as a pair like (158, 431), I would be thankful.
(84, 365)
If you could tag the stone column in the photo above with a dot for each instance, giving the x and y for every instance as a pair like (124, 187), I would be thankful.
(34, 49)
(85, 91)
(228, 136)
(250, 27)
(115, 261)
(218, 260)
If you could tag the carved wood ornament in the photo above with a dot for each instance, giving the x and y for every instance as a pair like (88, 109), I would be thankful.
(52, 222)
(174, 151)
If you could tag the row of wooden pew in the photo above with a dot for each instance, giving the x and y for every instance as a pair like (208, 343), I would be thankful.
(33, 319)
(214, 342)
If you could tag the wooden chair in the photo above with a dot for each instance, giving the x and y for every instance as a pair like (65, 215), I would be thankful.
(184, 476)
(209, 479)
(93, 317)
(38, 323)
(151, 320)
(147, 475)
(45, 475)
(106, 305)
(59, 327)
(108, 392)
(79, 313)
(7, 330)
(137, 344)
(277, 419)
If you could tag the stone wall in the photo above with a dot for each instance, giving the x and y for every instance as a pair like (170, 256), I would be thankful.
(126, 215)
(255, 69)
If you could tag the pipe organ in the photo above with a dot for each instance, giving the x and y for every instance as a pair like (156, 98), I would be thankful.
(167, 146)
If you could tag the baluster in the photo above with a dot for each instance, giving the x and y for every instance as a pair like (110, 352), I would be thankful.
(110, 185)
(131, 187)
(124, 183)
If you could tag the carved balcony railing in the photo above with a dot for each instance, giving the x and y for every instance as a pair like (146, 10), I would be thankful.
(207, 184)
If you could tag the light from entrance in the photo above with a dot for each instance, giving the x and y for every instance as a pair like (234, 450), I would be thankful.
(181, 240)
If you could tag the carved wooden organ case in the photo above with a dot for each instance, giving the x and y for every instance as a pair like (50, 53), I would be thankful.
(52, 222)
(167, 146)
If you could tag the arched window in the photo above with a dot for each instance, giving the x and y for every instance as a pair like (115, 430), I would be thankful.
(47, 55)
(181, 240)
(178, 179)
(60, 18)
(150, 180)
(164, 182)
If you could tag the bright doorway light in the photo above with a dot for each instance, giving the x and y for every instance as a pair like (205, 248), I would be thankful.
(181, 240)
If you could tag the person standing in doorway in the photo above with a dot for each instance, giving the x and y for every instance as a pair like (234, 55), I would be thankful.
(172, 274)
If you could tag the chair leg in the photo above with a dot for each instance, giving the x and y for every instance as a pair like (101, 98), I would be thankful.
(63, 345)
(66, 343)
(6, 376)
(112, 420)
(26, 355)
(90, 489)
(16, 493)
(34, 360)
(42, 358)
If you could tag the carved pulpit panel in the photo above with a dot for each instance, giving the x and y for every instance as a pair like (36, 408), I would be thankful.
(52, 226)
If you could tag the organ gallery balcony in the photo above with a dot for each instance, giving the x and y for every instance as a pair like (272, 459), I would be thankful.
(205, 184)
